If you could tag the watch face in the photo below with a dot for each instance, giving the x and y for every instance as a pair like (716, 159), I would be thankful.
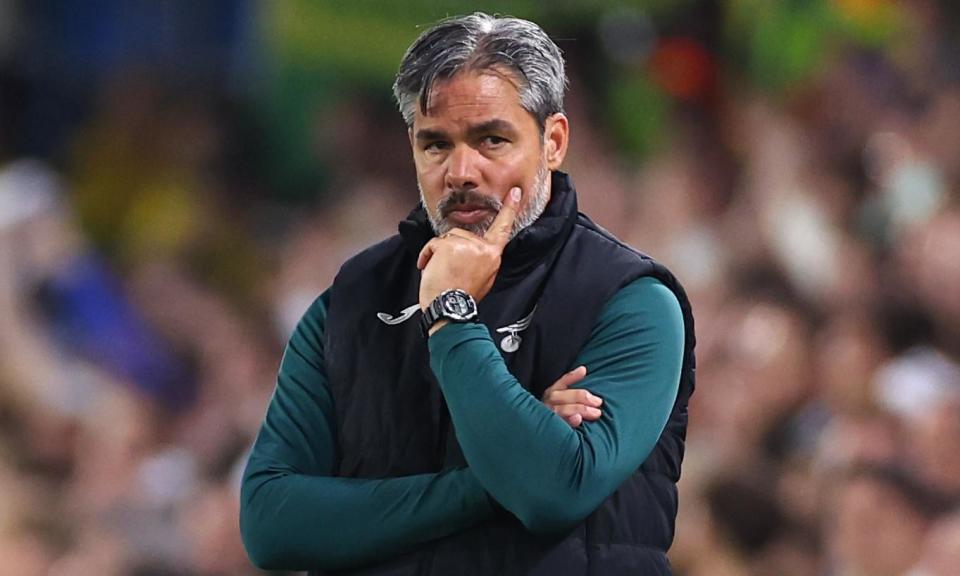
(458, 305)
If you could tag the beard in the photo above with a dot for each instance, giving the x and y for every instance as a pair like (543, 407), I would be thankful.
(536, 203)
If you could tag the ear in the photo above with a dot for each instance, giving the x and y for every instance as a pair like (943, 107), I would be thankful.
(556, 136)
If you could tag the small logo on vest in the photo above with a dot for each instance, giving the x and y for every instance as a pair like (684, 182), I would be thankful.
(511, 342)
(404, 315)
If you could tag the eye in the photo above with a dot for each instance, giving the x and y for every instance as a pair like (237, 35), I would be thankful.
(435, 146)
(493, 141)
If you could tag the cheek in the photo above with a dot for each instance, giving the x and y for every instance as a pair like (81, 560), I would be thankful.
(531, 180)
(429, 178)
(507, 173)
(427, 171)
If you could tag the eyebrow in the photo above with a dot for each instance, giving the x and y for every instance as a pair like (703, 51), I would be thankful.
(495, 125)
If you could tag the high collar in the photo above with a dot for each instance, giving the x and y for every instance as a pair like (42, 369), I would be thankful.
(529, 246)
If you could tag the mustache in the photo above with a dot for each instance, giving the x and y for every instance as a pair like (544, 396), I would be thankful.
(462, 197)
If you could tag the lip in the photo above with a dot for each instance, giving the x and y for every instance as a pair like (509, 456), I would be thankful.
(469, 215)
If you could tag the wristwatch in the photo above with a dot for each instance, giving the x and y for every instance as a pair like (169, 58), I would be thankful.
(453, 305)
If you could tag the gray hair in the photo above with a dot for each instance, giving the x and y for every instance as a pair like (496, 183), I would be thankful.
(483, 42)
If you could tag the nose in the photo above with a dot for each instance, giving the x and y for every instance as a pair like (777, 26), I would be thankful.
(462, 170)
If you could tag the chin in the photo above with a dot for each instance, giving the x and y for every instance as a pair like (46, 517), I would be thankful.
(479, 228)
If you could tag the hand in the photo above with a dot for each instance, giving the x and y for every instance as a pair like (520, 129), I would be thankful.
(573, 405)
(460, 259)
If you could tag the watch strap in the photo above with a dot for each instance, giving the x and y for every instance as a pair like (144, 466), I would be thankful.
(435, 312)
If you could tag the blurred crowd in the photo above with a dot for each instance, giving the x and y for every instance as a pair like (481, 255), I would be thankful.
(152, 265)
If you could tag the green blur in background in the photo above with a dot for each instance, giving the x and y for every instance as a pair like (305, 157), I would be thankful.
(317, 49)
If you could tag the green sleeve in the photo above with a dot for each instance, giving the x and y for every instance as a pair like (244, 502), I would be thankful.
(531, 461)
(295, 515)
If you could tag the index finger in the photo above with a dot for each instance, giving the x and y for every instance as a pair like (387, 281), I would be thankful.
(501, 229)
(569, 379)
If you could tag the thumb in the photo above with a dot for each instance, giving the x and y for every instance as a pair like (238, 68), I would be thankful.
(502, 228)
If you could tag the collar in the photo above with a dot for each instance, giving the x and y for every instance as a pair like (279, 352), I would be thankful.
(527, 248)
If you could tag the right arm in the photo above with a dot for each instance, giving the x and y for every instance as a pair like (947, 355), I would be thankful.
(296, 515)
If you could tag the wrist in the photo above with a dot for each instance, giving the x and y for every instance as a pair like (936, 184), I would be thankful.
(436, 326)
(450, 306)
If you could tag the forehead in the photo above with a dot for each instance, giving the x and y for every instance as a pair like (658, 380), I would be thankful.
(474, 96)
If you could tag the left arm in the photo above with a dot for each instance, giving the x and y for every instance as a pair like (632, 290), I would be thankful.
(527, 457)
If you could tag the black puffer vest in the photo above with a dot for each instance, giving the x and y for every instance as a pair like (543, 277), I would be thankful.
(391, 417)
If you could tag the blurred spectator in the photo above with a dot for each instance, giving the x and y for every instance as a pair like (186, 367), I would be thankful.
(877, 522)
(935, 447)
(941, 553)
(56, 276)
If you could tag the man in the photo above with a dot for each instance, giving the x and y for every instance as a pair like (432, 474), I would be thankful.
(461, 446)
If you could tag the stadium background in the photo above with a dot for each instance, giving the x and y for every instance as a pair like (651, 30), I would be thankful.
(179, 179)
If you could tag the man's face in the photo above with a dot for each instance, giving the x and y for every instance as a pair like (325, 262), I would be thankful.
(474, 144)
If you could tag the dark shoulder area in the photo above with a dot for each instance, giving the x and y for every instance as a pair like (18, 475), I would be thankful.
(367, 263)
(603, 235)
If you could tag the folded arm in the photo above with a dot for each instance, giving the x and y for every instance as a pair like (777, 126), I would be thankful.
(548, 474)
(296, 515)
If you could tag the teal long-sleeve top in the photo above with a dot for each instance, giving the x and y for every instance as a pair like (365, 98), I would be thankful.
(296, 515)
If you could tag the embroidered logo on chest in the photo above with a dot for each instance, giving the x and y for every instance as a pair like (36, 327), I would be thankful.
(403, 316)
(511, 342)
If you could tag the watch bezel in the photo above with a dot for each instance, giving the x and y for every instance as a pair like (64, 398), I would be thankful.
(437, 310)
(450, 305)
